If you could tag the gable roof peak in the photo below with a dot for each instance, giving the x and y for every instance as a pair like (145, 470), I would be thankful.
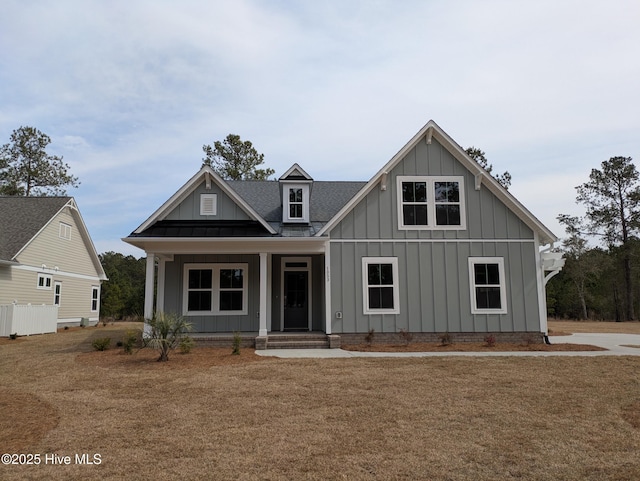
(207, 175)
(295, 172)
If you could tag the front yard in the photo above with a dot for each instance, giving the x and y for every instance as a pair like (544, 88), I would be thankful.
(211, 415)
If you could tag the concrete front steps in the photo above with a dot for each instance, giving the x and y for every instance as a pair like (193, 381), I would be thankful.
(298, 340)
(274, 340)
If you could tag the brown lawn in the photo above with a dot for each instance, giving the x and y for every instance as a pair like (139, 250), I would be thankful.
(211, 415)
(559, 328)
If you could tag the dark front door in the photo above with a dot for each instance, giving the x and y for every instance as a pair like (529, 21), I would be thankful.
(296, 303)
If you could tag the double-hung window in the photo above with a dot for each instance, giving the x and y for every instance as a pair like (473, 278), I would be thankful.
(488, 287)
(380, 285)
(95, 298)
(431, 202)
(295, 203)
(215, 289)
(57, 293)
(44, 281)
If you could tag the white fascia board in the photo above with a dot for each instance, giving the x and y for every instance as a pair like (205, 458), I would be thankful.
(174, 200)
(166, 208)
(293, 168)
(88, 241)
(273, 245)
(513, 204)
(8, 263)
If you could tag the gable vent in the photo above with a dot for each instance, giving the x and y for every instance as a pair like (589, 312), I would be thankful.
(208, 204)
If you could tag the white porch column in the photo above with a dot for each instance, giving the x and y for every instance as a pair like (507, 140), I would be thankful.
(162, 260)
(327, 288)
(149, 285)
(263, 294)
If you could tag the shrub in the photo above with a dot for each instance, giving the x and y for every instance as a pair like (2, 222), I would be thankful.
(166, 330)
(445, 339)
(186, 344)
(101, 344)
(406, 336)
(369, 337)
(237, 341)
(490, 340)
(129, 341)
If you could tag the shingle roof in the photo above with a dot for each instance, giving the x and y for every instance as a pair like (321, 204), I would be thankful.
(326, 197)
(21, 218)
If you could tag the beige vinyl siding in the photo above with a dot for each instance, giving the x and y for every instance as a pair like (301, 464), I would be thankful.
(76, 298)
(48, 248)
(19, 284)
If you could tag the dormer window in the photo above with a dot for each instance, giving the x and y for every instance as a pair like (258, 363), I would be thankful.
(296, 187)
(296, 203)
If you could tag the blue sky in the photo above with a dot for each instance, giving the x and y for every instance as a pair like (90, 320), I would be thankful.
(129, 91)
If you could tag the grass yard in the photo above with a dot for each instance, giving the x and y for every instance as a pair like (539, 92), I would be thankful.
(211, 415)
(567, 327)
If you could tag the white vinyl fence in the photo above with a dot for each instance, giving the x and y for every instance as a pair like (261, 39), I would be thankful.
(26, 320)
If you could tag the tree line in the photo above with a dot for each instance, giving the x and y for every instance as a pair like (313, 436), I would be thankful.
(600, 282)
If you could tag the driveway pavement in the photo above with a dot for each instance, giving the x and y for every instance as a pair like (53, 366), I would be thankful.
(615, 343)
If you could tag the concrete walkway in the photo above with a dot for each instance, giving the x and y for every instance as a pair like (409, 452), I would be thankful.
(615, 343)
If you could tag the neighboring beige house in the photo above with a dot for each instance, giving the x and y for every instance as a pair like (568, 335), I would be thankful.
(48, 258)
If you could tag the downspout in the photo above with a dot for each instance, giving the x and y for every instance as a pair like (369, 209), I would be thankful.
(542, 298)
(553, 263)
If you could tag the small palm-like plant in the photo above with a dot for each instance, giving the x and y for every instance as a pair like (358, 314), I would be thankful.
(165, 331)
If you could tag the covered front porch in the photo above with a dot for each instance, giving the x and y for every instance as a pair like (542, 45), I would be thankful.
(265, 286)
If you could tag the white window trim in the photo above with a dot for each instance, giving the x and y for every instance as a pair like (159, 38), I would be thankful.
(431, 204)
(47, 281)
(57, 293)
(285, 203)
(208, 204)
(65, 231)
(96, 290)
(215, 289)
(365, 285)
(503, 284)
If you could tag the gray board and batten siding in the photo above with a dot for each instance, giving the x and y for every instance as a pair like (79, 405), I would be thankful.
(434, 285)
(189, 208)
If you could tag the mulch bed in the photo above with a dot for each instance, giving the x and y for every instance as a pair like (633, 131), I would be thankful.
(469, 347)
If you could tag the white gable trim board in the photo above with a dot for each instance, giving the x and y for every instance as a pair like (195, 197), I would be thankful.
(206, 175)
(430, 131)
